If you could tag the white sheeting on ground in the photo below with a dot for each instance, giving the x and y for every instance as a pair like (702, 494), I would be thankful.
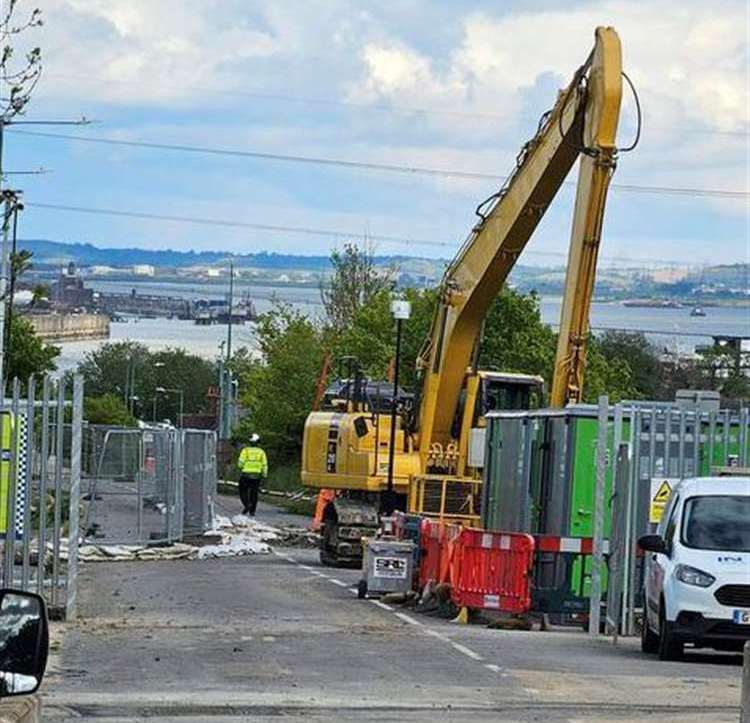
(240, 535)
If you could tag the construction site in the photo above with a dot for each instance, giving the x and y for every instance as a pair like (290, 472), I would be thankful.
(452, 543)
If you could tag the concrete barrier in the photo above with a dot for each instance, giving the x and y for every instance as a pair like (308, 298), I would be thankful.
(27, 709)
(69, 327)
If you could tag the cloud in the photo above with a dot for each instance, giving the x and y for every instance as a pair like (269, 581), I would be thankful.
(483, 70)
(689, 61)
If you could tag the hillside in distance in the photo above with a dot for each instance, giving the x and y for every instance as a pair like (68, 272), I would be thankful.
(727, 281)
(56, 253)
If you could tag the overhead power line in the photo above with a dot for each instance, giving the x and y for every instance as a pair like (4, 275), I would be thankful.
(366, 165)
(331, 102)
(311, 231)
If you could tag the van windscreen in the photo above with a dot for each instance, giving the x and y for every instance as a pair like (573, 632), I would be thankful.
(720, 522)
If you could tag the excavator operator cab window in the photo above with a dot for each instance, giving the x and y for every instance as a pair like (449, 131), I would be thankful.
(504, 394)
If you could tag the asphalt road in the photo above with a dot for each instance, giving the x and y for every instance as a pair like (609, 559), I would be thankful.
(270, 636)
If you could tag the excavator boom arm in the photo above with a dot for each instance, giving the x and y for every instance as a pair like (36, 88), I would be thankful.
(583, 119)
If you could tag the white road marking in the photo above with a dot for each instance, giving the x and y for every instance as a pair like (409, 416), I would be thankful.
(408, 619)
(467, 651)
(439, 636)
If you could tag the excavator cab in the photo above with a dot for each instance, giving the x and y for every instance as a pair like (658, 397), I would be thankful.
(506, 391)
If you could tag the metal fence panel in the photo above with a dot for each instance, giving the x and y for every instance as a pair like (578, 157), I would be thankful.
(150, 486)
(39, 474)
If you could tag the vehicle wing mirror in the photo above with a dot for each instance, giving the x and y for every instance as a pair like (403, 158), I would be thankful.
(24, 642)
(653, 543)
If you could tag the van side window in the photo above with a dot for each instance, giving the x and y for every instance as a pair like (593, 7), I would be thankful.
(672, 522)
(661, 528)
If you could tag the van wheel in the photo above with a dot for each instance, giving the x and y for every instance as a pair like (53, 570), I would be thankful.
(649, 639)
(669, 647)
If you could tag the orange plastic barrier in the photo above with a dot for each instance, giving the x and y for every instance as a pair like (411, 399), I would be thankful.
(486, 570)
(492, 570)
(430, 534)
(437, 543)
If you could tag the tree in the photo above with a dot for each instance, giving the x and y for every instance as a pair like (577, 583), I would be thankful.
(107, 409)
(612, 377)
(108, 368)
(515, 339)
(277, 391)
(27, 354)
(640, 355)
(354, 282)
(18, 79)
(128, 370)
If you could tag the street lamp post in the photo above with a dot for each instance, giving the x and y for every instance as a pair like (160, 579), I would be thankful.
(166, 390)
(401, 310)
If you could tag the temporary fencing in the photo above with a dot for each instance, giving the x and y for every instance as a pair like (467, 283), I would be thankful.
(562, 574)
(485, 570)
(492, 571)
(199, 479)
(151, 485)
(40, 477)
(580, 477)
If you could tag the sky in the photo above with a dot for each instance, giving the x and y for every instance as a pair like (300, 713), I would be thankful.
(445, 84)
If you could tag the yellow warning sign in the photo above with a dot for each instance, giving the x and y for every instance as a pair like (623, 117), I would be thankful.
(661, 489)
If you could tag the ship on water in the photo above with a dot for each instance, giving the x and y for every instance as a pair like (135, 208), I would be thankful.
(653, 303)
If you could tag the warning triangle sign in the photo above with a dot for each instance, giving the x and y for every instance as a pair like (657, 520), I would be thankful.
(662, 494)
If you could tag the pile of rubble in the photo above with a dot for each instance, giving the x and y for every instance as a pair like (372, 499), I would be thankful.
(229, 537)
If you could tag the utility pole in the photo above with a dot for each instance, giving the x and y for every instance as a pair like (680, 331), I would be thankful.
(231, 308)
(3, 267)
(17, 206)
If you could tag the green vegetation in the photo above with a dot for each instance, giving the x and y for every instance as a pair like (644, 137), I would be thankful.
(27, 354)
(128, 370)
(107, 409)
(278, 392)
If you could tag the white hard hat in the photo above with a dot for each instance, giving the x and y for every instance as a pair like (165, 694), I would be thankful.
(254, 437)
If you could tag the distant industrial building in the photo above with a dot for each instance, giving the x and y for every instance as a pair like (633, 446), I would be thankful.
(100, 270)
(143, 270)
(69, 292)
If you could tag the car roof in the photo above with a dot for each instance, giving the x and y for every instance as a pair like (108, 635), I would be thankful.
(702, 486)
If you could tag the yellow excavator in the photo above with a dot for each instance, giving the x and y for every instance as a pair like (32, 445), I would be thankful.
(438, 441)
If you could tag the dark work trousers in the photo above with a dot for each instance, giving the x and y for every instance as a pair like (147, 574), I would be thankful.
(249, 486)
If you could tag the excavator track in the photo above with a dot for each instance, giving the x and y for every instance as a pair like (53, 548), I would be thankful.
(345, 523)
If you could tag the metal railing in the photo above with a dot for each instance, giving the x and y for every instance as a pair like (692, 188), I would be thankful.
(149, 486)
(40, 477)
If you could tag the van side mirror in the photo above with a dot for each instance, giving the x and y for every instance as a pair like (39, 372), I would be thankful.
(24, 642)
(653, 543)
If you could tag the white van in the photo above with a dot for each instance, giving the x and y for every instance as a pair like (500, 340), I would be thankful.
(697, 578)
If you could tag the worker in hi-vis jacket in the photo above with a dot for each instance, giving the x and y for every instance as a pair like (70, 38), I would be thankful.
(253, 466)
